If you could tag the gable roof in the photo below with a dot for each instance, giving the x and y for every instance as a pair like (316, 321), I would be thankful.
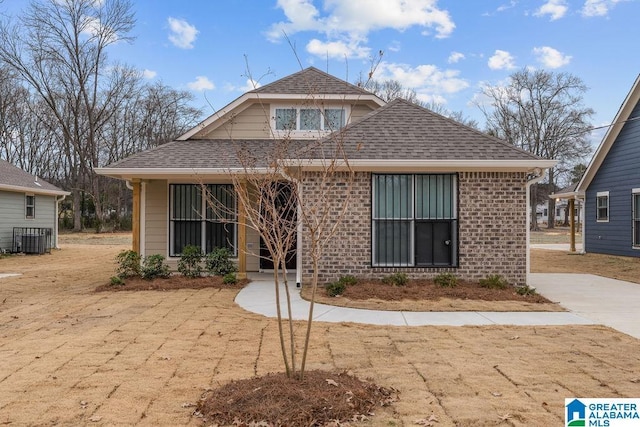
(311, 81)
(623, 115)
(402, 132)
(305, 84)
(15, 179)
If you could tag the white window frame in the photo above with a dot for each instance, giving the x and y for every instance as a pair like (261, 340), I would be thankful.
(599, 195)
(203, 220)
(307, 133)
(27, 206)
(635, 192)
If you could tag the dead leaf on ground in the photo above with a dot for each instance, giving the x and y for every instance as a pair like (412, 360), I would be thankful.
(427, 421)
(496, 394)
(331, 382)
(95, 418)
(505, 417)
(635, 380)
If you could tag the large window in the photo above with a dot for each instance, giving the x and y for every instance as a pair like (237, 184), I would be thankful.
(309, 119)
(414, 220)
(602, 206)
(30, 206)
(635, 198)
(206, 220)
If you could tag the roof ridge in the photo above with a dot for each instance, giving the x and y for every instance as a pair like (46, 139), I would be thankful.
(306, 71)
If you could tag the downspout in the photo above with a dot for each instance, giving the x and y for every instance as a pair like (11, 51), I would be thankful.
(538, 176)
(56, 228)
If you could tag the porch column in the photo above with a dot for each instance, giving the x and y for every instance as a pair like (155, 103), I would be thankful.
(572, 225)
(135, 217)
(242, 236)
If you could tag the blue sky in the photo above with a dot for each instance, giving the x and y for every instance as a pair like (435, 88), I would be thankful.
(445, 50)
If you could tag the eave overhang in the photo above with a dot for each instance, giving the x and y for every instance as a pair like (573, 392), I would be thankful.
(31, 190)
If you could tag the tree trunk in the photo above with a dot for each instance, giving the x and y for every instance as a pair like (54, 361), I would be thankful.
(534, 203)
(77, 210)
(551, 221)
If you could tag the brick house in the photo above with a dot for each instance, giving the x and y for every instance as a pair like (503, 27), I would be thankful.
(429, 195)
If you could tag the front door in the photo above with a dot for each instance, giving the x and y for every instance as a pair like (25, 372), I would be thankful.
(289, 213)
(434, 243)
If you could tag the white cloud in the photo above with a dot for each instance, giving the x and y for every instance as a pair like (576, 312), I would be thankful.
(346, 24)
(337, 49)
(556, 9)
(430, 83)
(598, 7)
(502, 60)
(182, 34)
(502, 8)
(201, 83)
(249, 85)
(550, 57)
(149, 74)
(455, 57)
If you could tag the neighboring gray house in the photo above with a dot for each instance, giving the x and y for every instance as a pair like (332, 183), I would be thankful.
(28, 207)
(611, 185)
(430, 195)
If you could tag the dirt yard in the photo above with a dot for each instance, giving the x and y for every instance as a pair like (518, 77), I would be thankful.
(72, 356)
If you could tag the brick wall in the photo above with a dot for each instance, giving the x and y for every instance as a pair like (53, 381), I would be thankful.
(491, 219)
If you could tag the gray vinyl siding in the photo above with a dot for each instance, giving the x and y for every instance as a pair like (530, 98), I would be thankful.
(12, 214)
(618, 174)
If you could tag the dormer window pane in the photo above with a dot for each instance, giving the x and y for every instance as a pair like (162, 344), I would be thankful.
(285, 119)
(309, 119)
(334, 119)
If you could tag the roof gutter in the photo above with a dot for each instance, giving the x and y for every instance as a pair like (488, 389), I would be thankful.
(416, 165)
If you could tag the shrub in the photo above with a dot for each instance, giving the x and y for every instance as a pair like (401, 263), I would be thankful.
(154, 266)
(348, 280)
(494, 281)
(230, 279)
(128, 264)
(219, 262)
(525, 290)
(446, 280)
(396, 279)
(116, 281)
(189, 263)
(336, 288)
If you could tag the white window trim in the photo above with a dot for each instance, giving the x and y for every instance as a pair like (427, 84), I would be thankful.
(308, 133)
(26, 206)
(635, 192)
(203, 220)
(598, 195)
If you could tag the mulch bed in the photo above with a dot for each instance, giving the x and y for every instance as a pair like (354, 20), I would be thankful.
(171, 283)
(428, 290)
(321, 399)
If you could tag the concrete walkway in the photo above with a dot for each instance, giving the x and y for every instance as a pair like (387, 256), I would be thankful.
(556, 246)
(259, 297)
(606, 301)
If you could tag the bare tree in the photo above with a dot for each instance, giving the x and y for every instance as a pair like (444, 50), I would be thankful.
(541, 112)
(59, 49)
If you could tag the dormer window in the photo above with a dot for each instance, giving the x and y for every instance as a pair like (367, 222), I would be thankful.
(303, 119)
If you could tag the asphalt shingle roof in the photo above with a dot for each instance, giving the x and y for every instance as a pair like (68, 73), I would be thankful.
(311, 81)
(402, 130)
(399, 130)
(11, 175)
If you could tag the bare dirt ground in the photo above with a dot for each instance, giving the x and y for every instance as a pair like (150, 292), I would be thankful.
(73, 356)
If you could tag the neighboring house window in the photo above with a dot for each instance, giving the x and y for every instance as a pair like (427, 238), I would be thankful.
(545, 212)
(414, 220)
(558, 212)
(309, 119)
(206, 221)
(30, 206)
(636, 217)
(602, 206)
